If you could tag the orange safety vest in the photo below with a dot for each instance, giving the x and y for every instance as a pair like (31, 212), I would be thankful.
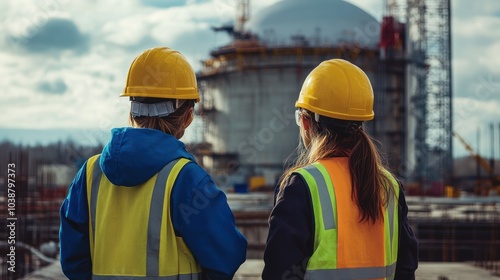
(344, 248)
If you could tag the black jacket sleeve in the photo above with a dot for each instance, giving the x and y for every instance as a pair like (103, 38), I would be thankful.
(291, 232)
(408, 244)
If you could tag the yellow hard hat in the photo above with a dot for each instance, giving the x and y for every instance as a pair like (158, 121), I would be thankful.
(337, 89)
(161, 73)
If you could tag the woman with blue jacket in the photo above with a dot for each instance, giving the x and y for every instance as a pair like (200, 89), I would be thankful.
(143, 208)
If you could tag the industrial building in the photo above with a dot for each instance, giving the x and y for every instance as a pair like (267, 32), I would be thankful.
(249, 86)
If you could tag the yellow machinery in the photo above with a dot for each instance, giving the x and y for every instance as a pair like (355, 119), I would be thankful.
(257, 182)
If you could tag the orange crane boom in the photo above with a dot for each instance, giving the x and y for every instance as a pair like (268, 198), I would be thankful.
(484, 164)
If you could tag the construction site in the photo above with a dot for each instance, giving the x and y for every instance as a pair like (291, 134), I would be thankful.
(249, 87)
(248, 136)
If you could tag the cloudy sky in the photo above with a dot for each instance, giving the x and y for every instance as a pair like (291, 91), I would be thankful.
(63, 63)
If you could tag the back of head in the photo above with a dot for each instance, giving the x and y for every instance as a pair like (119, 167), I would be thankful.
(336, 98)
(162, 89)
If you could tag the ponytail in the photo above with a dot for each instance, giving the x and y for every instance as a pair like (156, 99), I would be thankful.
(369, 182)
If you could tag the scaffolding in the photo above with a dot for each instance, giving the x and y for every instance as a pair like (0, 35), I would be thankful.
(39, 194)
(429, 55)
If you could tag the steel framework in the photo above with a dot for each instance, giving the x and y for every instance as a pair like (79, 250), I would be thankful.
(430, 94)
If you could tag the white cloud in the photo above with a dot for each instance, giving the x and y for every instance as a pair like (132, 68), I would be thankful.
(124, 32)
(490, 58)
(470, 115)
(119, 30)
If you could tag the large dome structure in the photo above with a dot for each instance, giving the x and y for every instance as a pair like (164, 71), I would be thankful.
(315, 22)
(249, 86)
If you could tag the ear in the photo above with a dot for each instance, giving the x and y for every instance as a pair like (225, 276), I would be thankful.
(305, 122)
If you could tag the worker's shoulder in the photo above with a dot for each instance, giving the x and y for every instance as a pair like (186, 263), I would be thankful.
(92, 160)
(192, 180)
(193, 172)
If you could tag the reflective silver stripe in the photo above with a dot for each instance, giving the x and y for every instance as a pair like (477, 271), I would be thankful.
(324, 197)
(195, 276)
(352, 273)
(94, 191)
(155, 217)
(390, 205)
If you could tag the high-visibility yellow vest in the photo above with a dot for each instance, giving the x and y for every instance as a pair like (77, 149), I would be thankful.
(344, 248)
(131, 231)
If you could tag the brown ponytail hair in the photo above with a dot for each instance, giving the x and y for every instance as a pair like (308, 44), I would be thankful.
(370, 181)
(173, 124)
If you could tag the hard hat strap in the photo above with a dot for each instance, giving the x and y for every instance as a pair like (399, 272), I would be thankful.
(316, 117)
(178, 103)
(338, 123)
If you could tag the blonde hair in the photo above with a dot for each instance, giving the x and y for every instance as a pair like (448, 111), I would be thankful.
(174, 124)
(368, 174)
